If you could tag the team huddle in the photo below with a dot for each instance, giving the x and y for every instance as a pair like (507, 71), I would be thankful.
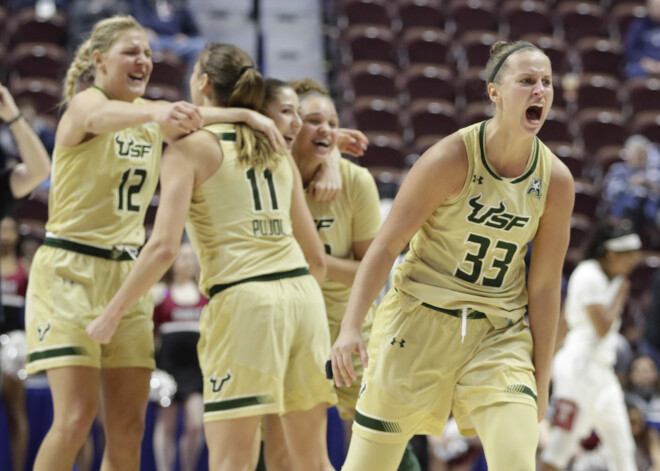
(291, 272)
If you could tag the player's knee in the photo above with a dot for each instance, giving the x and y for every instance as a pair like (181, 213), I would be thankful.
(75, 425)
(126, 428)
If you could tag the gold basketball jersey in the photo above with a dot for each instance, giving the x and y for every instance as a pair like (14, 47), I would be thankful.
(101, 188)
(470, 252)
(239, 220)
(353, 217)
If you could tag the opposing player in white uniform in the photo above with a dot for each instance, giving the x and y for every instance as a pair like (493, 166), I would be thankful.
(587, 394)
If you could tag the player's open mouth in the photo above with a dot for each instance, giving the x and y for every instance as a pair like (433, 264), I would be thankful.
(323, 144)
(534, 113)
(139, 78)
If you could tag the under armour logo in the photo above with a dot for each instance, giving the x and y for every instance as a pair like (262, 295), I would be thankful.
(400, 342)
(215, 387)
(476, 179)
(42, 331)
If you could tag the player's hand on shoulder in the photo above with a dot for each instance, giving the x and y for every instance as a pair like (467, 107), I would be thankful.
(264, 124)
(348, 342)
(181, 116)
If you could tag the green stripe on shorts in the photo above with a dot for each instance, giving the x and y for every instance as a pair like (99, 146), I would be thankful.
(55, 352)
(521, 388)
(377, 424)
(238, 403)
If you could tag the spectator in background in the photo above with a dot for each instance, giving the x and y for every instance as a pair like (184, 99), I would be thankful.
(631, 188)
(647, 439)
(84, 14)
(642, 43)
(643, 391)
(171, 26)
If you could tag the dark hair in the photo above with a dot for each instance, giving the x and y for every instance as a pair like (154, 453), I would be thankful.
(601, 233)
(499, 53)
(273, 86)
(308, 88)
(236, 82)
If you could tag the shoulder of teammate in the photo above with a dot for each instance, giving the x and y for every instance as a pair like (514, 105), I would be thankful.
(200, 149)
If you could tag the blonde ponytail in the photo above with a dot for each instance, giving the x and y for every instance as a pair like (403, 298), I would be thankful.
(81, 63)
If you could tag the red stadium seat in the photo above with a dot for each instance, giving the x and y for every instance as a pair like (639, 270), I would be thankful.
(45, 93)
(373, 78)
(601, 127)
(428, 81)
(376, 114)
(474, 47)
(432, 117)
(384, 150)
(365, 12)
(371, 42)
(471, 15)
(643, 94)
(522, 17)
(580, 19)
(622, 15)
(600, 55)
(587, 198)
(598, 91)
(27, 27)
(426, 45)
(414, 13)
(572, 156)
(647, 123)
(39, 60)
(471, 85)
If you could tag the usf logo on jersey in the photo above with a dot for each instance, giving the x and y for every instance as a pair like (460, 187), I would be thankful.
(217, 384)
(128, 148)
(324, 223)
(496, 217)
(43, 331)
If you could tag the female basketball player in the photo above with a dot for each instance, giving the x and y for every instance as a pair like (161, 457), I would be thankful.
(586, 392)
(264, 329)
(450, 335)
(346, 224)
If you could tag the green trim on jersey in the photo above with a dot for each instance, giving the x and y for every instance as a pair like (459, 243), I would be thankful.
(238, 403)
(377, 424)
(56, 352)
(225, 136)
(521, 388)
(484, 161)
